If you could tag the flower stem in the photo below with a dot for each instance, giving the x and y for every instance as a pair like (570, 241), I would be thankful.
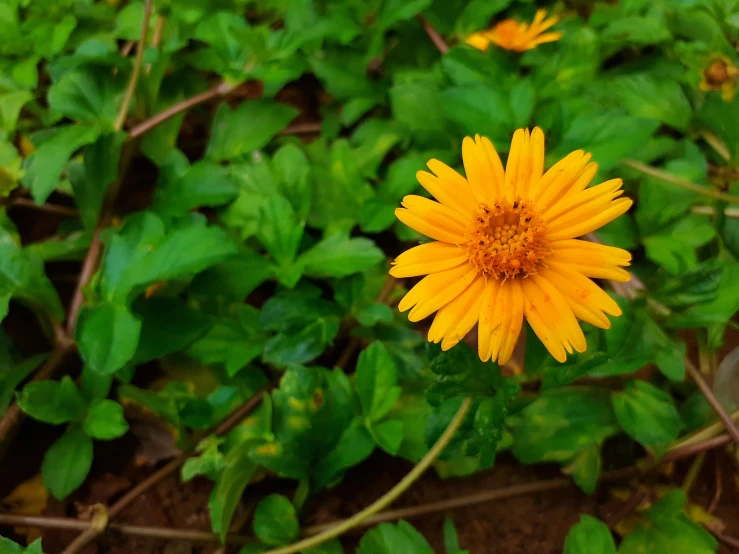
(389, 496)
(133, 81)
(675, 180)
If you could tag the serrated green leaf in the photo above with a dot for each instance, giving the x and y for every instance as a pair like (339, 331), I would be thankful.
(108, 335)
(339, 256)
(105, 420)
(53, 402)
(376, 381)
(589, 536)
(647, 414)
(276, 521)
(45, 165)
(249, 127)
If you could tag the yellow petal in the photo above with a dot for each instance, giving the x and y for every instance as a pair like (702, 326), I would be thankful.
(496, 167)
(586, 299)
(478, 169)
(576, 207)
(560, 177)
(445, 292)
(569, 327)
(595, 221)
(428, 258)
(546, 37)
(431, 285)
(478, 40)
(431, 228)
(464, 312)
(427, 208)
(485, 326)
(506, 321)
(451, 189)
(516, 160)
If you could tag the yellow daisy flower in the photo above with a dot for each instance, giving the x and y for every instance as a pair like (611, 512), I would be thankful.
(506, 248)
(722, 76)
(519, 36)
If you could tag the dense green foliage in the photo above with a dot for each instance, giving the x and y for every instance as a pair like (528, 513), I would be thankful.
(258, 257)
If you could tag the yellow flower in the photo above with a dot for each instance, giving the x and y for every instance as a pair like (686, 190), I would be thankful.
(505, 248)
(513, 35)
(721, 75)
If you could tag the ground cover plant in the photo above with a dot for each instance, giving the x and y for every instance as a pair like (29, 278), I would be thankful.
(271, 269)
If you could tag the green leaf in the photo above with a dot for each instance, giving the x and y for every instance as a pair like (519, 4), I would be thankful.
(339, 256)
(237, 471)
(22, 277)
(142, 253)
(585, 468)
(451, 542)
(375, 313)
(610, 136)
(481, 109)
(100, 170)
(418, 106)
(108, 335)
(354, 446)
(276, 521)
(647, 414)
(293, 174)
(45, 165)
(67, 463)
(9, 547)
(563, 422)
(490, 419)
(651, 98)
(88, 95)
(476, 14)
(233, 279)
(377, 381)
(233, 343)
(105, 420)
(667, 529)
(279, 229)
(285, 349)
(398, 10)
(167, 325)
(673, 247)
(589, 536)
(53, 402)
(11, 104)
(388, 435)
(13, 375)
(235, 133)
(203, 184)
(388, 538)
(523, 102)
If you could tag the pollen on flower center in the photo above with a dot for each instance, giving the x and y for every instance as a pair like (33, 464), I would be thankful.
(506, 239)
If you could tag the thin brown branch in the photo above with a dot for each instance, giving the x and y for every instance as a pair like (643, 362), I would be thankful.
(723, 415)
(389, 515)
(126, 500)
(302, 129)
(636, 498)
(89, 266)
(134, 79)
(221, 89)
(133, 530)
(727, 540)
(55, 209)
(435, 37)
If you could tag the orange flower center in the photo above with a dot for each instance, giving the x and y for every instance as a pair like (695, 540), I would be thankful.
(506, 239)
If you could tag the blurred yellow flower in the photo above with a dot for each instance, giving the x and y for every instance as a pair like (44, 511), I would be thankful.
(519, 36)
(721, 75)
(505, 248)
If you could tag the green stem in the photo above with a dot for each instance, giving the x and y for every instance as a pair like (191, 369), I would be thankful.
(132, 82)
(389, 496)
(717, 144)
(670, 178)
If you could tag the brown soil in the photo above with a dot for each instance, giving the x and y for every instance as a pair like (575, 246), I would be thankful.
(530, 524)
